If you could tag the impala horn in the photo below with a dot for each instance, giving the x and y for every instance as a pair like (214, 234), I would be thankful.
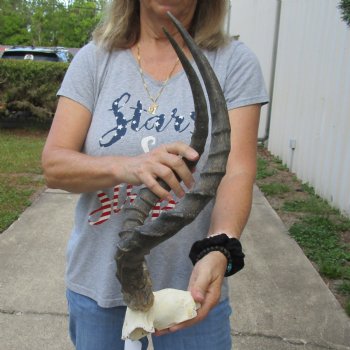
(138, 238)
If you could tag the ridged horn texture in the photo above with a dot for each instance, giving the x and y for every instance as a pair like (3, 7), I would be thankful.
(137, 238)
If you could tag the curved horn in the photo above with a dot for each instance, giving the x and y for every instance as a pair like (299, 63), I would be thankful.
(131, 267)
(200, 133)
(137, 239)
(220, 142)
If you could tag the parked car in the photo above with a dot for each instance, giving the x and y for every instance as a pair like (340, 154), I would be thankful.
(32, 53)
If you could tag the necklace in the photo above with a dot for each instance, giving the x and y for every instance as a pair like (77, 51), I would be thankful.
(154, 105)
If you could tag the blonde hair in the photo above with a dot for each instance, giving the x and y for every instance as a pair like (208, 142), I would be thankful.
(120, 25)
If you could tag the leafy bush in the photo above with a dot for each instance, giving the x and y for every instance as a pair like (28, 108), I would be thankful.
(28, 92)
(345, 10)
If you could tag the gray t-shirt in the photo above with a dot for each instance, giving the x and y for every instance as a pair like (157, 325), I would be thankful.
(110, 86)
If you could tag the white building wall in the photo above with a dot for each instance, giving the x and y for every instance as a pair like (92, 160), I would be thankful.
(311, 100)
(255, 23)
(311, 88)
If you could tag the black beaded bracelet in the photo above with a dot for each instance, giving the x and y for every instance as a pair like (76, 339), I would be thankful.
(230, 247)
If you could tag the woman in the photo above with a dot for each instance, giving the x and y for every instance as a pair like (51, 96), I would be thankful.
(124, 116)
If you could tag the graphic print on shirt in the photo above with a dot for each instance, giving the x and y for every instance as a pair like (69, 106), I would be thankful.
(128, 119)
(109, 206)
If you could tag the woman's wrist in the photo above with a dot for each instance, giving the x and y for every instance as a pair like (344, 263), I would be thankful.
(231, 248)
(218, 259)
(228, 234)
(120, 169)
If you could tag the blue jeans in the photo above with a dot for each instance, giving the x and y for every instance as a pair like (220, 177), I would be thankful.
(92, 327)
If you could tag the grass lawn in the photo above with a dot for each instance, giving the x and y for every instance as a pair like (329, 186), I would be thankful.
(319, 229)
(20, 172)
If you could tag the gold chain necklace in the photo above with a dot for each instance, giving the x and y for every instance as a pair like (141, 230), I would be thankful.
(154, 106)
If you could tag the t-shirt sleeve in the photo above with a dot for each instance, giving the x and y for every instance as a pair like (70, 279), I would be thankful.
(244, 83)
(79, 81)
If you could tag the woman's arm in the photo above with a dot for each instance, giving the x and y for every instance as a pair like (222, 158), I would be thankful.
(66, 167)
(231, 210)
(234, 194)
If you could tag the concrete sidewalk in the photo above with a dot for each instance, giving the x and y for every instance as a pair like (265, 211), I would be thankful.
(279, 300)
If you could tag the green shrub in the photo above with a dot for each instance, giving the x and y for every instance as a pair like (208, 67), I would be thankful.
(345, 11)
(28, 92)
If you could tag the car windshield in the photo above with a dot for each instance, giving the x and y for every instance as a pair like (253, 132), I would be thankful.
(31, 55)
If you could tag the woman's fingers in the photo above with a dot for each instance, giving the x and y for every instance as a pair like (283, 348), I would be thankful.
(173, 156)
(182, 150)
(167, 163)
(205, 286)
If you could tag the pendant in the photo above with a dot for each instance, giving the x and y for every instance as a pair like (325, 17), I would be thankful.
(153, 108)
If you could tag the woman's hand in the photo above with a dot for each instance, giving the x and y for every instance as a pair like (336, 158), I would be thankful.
(165, 162)
(205, 287)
